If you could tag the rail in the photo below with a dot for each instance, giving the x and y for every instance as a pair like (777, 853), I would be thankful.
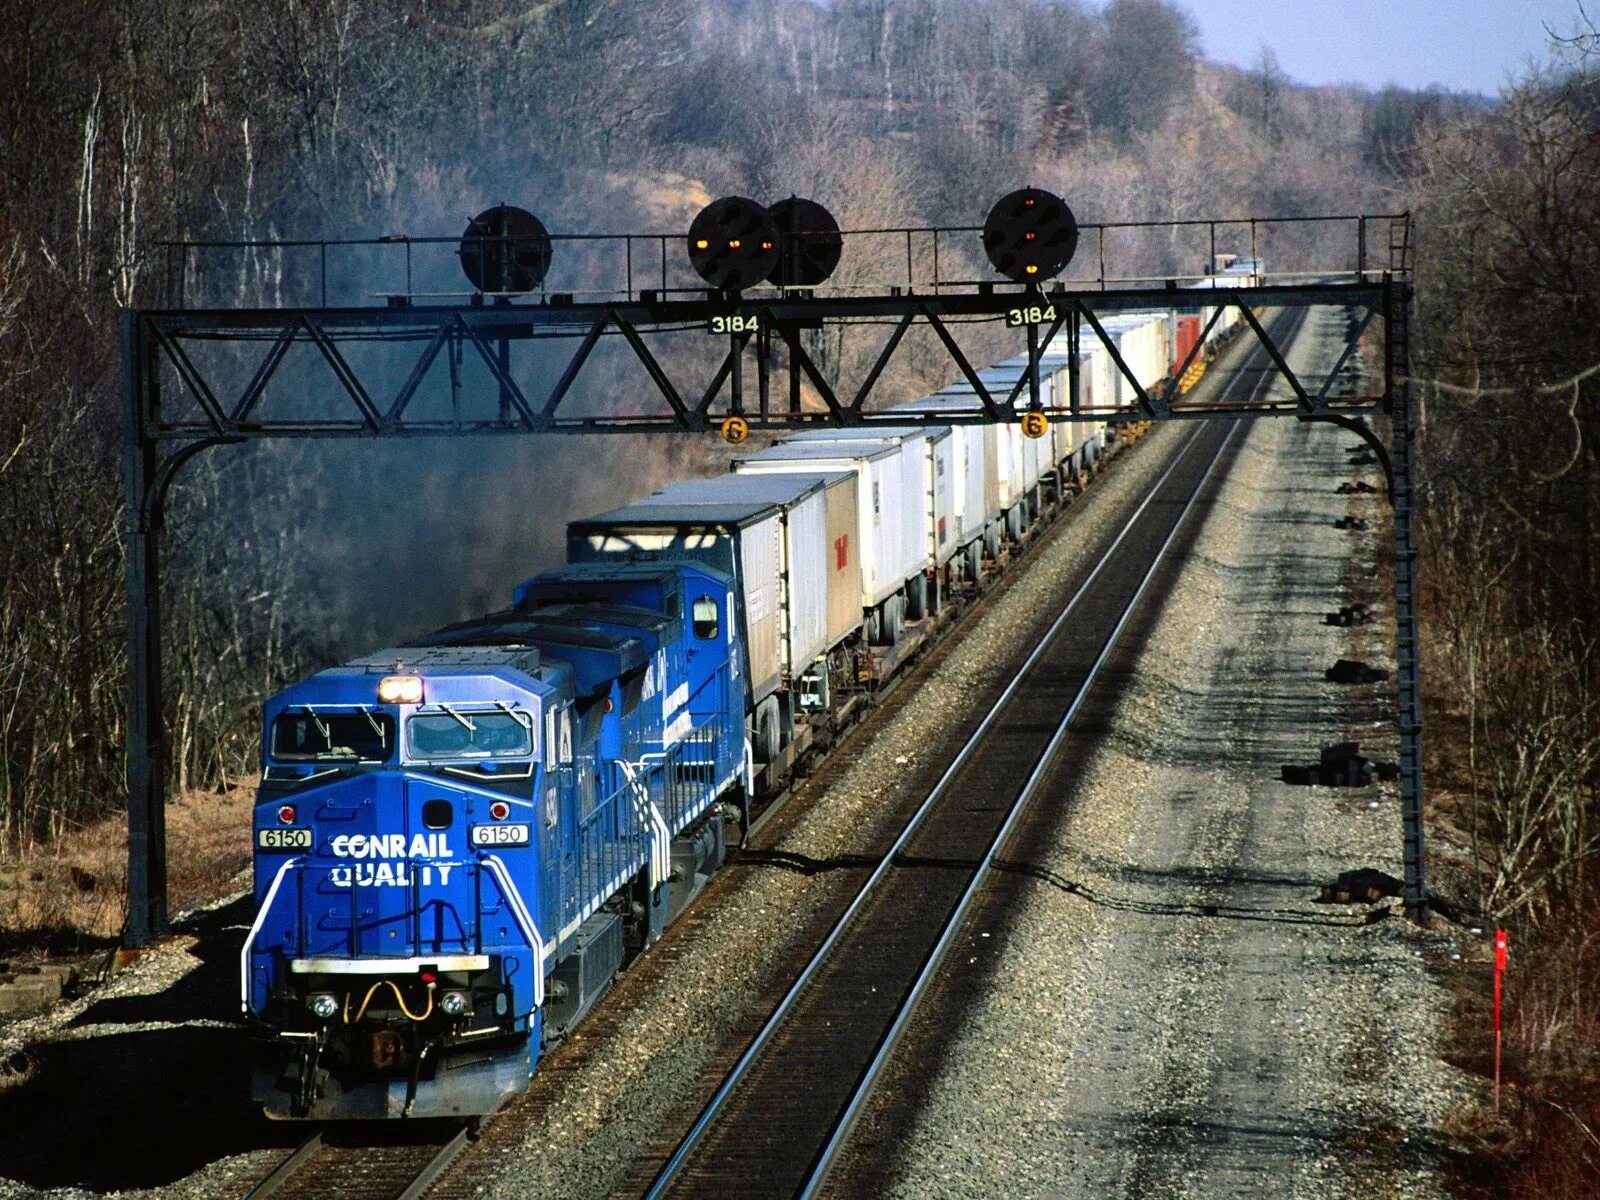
(377, 1174)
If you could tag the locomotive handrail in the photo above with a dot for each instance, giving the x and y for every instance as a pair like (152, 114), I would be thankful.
(520, 914)
(255, 930)
(660, 832)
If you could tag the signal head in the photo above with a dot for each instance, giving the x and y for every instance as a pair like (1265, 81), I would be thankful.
(1030, 235)
(811, 244)
(505, 249)
(733, 243)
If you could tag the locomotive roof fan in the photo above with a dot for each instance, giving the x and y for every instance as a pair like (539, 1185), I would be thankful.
(1030, 235)
(505, 250)
(809, 243)
(733, 243)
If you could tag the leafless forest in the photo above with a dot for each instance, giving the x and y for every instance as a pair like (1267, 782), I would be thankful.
(127, 124)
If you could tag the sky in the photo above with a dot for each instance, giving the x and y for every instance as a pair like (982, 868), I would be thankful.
(1461, 45)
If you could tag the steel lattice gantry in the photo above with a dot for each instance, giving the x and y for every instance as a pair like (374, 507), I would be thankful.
(197, 378)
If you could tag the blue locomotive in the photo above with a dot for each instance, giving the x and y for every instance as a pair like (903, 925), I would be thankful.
(460, 840)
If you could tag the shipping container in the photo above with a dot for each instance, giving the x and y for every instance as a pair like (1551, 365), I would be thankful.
(971, 456)
(743, 540)
(819, 543)
(938, 474)
(1187, 334)
(889, 512)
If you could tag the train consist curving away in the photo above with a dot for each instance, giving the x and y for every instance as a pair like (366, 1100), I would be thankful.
(460, 841)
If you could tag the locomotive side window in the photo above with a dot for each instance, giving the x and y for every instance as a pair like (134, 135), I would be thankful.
(704, 615)
(314, 735)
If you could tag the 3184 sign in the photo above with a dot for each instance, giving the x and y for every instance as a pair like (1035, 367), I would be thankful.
(734, 323)
(1032, 314)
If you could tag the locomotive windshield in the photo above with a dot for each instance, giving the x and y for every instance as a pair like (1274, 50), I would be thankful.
(457, 734)
(316, 735)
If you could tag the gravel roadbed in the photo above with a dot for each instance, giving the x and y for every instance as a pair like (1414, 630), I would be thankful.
(156, 1059)
(1170, 1013)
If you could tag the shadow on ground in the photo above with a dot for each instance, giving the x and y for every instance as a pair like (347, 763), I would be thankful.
(117, 1104)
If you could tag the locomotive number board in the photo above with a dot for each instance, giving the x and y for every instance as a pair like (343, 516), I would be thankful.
(515, 834)
(283, 839)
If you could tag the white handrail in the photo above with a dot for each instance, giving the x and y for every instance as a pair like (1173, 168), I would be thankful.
(255, 930)
(660, 832)
(530, 929)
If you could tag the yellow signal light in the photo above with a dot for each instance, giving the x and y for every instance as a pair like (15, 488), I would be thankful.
(766, 245)
(734, 244)
(400, 689)
(702, 244)
(1032, 268)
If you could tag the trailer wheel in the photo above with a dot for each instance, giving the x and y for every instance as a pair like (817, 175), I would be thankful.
(917, 597)
(767, 742)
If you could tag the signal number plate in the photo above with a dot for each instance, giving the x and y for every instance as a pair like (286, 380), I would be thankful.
(500, 835)
(283, 839)
(734, 323)
(1034, 314)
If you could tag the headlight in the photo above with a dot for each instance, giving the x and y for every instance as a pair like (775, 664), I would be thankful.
(453, 1004)
(322, 1005)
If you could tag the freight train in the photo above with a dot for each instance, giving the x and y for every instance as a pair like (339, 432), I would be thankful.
(461, 840)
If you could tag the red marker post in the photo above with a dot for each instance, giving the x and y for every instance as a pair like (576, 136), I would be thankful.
(1502, 946)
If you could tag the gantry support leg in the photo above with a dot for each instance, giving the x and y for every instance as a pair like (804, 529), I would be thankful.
(147, 756)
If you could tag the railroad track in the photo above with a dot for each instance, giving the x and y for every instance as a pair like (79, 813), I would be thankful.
(361, 1162)
(784, 1112)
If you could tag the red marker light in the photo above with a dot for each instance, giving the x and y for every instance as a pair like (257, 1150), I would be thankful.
(286, 814)
(427, 977)
(499, 810)
(1029, 236)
